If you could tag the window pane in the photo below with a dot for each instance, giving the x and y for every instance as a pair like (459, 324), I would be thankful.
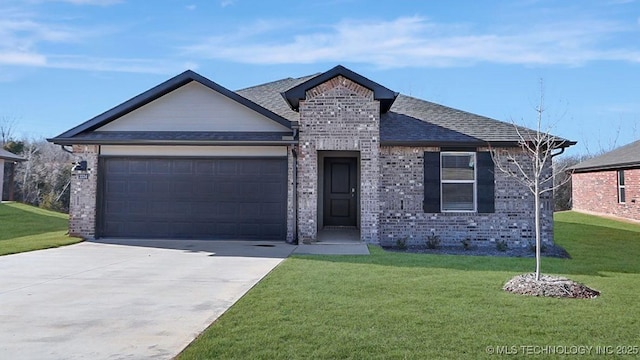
(458, 167)
(622, 196)
(457, 197)
(620, 177)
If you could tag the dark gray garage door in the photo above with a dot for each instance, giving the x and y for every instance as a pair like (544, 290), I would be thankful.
(224, 198)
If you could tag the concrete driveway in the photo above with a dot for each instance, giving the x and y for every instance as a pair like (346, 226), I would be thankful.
(123, 300)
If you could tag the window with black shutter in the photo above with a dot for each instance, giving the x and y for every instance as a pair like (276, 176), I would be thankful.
(459, 181)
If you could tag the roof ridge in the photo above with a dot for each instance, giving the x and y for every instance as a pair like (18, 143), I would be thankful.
(302, 78)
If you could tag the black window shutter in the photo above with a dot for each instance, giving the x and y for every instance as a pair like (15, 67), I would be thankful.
(431, 202)
(486, 183)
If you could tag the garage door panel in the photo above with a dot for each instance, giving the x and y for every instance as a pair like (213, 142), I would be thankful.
(116, 186)
(226, 167)
(160, 187)
(138, 167)
(204, 168)
(159, 167)
(272, 190)
(249, 230)
(117, 167)
(137, 187)
(182, 167)
(136, 208)
(231, 198)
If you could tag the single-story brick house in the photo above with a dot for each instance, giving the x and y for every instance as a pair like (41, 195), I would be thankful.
(288, 159)
(609, 184)
(9, 157)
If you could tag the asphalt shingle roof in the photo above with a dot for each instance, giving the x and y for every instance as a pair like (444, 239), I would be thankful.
(409, 121)
(623, 157)
(6, 155)
(269, 95)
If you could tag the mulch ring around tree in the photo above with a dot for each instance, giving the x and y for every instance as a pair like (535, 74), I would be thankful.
(551, 286)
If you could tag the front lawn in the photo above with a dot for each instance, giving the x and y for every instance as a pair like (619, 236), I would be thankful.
(412, 306)
(26, 228)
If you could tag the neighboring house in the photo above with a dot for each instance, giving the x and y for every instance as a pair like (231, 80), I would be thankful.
(288, 159)
(8, 157)
(610, 183)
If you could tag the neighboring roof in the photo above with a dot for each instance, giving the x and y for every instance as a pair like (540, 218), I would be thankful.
(627, 156)
(157, 92)
(381, 93)
(6, 155)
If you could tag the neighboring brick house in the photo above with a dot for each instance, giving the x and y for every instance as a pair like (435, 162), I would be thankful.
(11, 159)
(291, 158)
(610, 183)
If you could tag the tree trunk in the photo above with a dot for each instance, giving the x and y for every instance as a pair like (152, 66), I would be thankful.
(538, 241)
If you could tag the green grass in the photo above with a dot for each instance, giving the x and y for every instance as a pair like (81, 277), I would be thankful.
(26, 228)
(411, 306)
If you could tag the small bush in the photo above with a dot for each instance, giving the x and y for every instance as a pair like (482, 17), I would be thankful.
(433, 241)
(532, 247)
(401, 243)
(466, 244)
(502, 245)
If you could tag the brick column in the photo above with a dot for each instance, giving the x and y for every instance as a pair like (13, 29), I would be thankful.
(84, 186)
(339, 115)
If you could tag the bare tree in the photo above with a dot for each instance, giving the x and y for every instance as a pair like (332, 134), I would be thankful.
(43, 179)
(7, 128)
(535, 170)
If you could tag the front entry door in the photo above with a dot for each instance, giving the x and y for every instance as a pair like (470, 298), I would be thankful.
(340, 191)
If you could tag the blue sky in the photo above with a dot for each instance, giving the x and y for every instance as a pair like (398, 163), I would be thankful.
(65, 61)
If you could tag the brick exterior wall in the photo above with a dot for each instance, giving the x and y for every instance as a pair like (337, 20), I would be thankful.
(597, 192)
(291, 205)
(84, 184)
(402, 215)
(338, 115)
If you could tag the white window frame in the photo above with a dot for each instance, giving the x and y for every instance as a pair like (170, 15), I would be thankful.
(621, 187)
(474, 181)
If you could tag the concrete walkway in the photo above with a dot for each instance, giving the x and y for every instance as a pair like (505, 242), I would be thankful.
(332, 249)
(123, 300)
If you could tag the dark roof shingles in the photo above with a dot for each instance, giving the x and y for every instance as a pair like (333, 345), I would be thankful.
(624, 156)
(410, 120)
(7, 155)
(269, 95)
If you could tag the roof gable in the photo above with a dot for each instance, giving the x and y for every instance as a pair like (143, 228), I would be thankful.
(193, 107)
(380, 93)
(158, 92)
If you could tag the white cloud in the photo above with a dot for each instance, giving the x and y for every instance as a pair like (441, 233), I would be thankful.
(17, 58)
(416, 41)
(133, 65)
(225, 3)
(20, 37)
(23, 36)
